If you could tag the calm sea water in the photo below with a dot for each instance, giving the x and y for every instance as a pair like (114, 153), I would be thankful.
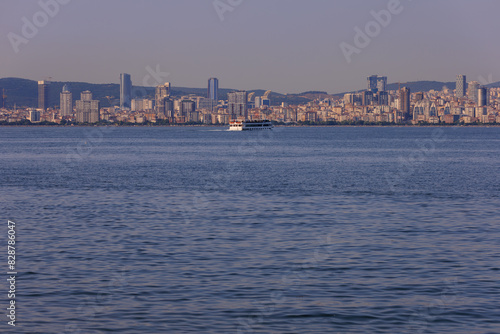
(296, 230)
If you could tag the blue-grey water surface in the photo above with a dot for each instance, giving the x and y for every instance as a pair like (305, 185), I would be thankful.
(295, 230)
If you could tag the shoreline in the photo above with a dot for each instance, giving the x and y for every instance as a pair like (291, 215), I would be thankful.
(493, 125)
(152, 125)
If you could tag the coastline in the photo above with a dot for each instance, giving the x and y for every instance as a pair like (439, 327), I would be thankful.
(491, 125)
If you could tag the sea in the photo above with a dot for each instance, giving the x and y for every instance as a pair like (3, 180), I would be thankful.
(290, 230)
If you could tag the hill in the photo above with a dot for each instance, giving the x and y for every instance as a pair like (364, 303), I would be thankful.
(423, 86)
(494, 85)
(24, 92)
(416, 86)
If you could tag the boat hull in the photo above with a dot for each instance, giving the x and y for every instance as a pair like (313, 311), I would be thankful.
(250, 125)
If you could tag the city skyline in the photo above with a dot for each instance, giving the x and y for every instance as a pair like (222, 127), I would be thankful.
(295, 47)
(469, 103)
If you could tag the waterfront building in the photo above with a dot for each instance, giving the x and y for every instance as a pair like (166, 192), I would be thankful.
(125, 91)
(461, 85)
(472, 91)
(404, 99)
(237, 104)
(187, 107)
(87, 110)
(34, 115)
(141, 105)
(213, 89)
(162, 94)
(43, 95)
(66, 102)
(482, 96)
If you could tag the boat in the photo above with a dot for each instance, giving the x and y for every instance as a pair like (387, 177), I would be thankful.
(250, 125)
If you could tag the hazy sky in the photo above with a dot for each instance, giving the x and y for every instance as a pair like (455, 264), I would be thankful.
(288, 46)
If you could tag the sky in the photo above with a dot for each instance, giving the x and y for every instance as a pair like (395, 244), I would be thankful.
(287, 46)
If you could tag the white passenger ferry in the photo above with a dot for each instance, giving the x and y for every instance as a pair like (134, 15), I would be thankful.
(250, 125)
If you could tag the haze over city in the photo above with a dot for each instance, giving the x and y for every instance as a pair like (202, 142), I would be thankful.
(285, 46)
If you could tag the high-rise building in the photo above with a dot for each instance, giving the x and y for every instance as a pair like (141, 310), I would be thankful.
(66, 101)
(34, 115)
(472, 90)
(376, 83)
(482, 96)
(168, 105)
(237, 104)
(349, 98)
(43, 95)
(125, 91)
(141, 105)
(381, 84)
(461, 85)
(404, 100)
(213, 89)
(206, 103)
(2, 102)
(372, 83)
(87, 110)
(258, 102)
(383, 98)
(367, 98)
(162, 93)
(186, 108)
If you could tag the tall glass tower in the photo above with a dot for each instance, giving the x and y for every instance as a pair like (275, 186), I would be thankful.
(461, 85)
(213, 89)
(43, 94)
(125, 91)
(472, 90)
(404, 99)
(482, 96)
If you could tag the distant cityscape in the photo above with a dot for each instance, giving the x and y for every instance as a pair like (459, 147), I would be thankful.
(469, 103)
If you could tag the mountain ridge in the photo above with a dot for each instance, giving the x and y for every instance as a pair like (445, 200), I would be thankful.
(24, 92)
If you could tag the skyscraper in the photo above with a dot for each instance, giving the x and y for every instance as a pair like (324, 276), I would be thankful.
(213, 89)
(376, 83)
(381, 84)
(66, 101)
(367, 98)
(482, 96)
(162, 93)
(2, 92)
(461, 85)
(125, 91)
(43, 95)
(87, 110)
(237, 104)
(258, 102)
(472, 90)
(383, 98)
(372, 83)
(168, 105)
(404, 99)
(187, 107)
